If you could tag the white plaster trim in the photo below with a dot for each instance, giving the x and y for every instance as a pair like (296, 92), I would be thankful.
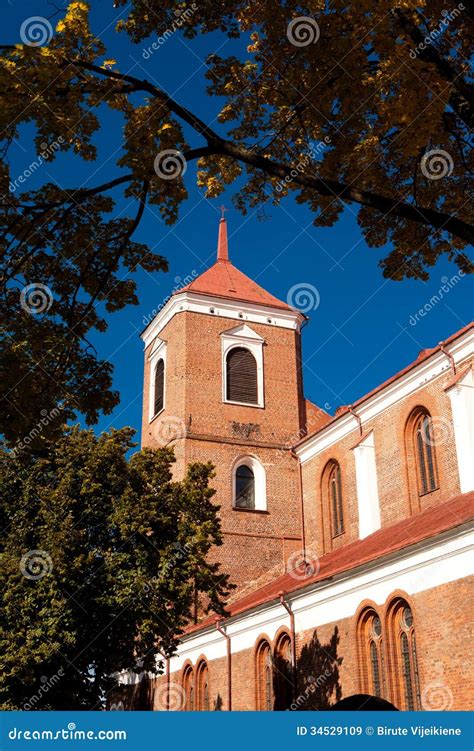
(241, 311)
(367, 489)
(416, 378)
(158, 353)
(260, 481)
(427, 565)
(243, 336)
(461, 395)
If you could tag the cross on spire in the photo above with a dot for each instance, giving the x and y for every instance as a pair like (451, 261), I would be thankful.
(223, 210)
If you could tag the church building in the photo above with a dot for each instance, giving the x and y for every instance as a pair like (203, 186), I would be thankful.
(349, 536)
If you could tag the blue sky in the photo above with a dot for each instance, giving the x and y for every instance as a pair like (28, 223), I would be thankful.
(365, 327)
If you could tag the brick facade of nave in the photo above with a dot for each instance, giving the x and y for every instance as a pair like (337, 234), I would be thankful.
(377, 500)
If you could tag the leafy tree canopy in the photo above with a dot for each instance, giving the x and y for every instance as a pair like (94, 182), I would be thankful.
(101, 563)
(339, 103)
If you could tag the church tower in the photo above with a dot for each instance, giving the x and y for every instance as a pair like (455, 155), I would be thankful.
(223, 384)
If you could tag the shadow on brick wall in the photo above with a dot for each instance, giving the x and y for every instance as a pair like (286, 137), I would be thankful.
(318, 684)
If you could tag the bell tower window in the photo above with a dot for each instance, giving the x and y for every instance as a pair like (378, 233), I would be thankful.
(242, 367)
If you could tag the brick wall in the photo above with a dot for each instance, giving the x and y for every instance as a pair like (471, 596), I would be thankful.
(329, 663)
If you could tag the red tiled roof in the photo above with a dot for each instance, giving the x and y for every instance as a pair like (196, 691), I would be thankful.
(424, 355)
(223, 279)
(429, 523)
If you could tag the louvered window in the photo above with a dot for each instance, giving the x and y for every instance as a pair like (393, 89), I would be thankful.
(241, 376)
(159, 386)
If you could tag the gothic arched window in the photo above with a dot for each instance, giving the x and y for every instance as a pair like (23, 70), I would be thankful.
(188, 686)
(159, 386)
(403, 656)
(371, 652)
(241, 376)
(424, 451)
(283, 674)
(264, 682)
(332, 492)
(202, 687)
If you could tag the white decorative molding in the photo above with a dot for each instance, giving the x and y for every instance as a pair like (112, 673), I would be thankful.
(400, 388)
(260, 481)
(195, 302)
(461, 395)
(243, 336)
(428, 564)
(158, 353)
(367, 489)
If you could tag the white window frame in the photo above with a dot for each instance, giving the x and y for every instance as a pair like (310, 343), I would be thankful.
(260, 479)
(243, 336)
(158, 353)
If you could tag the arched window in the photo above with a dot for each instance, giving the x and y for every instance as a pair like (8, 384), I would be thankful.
(244, 487)
(283, 674)
(332, 492)
(403, 656)
(159, 386)
(202, 687)
(371, 652)
(249, 484)
(188, 686)
(424, 452)
(264, 682)
(241, 376)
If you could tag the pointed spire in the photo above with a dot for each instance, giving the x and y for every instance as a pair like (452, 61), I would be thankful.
(222, 247)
